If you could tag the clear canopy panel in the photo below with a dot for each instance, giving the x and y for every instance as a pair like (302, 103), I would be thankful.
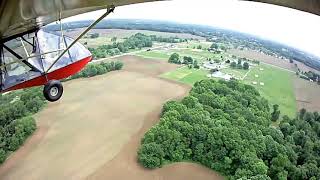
(55, 44)
(37, 54)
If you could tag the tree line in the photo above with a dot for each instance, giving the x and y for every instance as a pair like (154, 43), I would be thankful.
(226, 126)
(315, 77)
(133, 42)
(137, 41)
(16, 122)
(187, 60)
(240, 65)
(94, 69)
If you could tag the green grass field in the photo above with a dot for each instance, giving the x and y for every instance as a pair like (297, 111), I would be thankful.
(237, 73)
(154, 55)
(277, 88)
(199, 55)
(186, 75)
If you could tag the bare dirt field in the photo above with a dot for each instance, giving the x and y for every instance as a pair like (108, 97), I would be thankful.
(94, 131)
(150, 67)
(307, 94)
(263, 58)
(123, 33)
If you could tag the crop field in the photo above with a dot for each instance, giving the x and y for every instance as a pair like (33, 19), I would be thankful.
(186, 75)
(95, 129)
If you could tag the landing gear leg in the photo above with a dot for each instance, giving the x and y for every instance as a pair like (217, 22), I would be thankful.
(53, 90)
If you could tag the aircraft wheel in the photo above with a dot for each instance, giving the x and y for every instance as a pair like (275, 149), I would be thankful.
(53, 90)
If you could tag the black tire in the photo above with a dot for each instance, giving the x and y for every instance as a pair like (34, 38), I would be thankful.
(53, 90)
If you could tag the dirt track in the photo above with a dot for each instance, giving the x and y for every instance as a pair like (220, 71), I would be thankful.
(94, 131)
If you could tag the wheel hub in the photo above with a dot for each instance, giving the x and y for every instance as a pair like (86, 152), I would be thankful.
(54, 91)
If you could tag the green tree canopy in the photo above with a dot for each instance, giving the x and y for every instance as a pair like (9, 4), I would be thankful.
(226, 126)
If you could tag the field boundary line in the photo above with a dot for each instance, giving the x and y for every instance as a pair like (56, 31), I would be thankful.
(278, 67)
(246, 74)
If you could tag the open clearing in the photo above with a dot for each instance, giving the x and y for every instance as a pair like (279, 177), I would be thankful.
(186, 75)
(154, 55)
(305, 93)
(96, 128)
(276, 85)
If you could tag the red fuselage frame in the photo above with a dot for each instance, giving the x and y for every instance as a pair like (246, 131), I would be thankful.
(58, 74)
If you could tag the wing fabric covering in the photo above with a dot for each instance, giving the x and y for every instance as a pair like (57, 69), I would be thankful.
(311, 6)
(21, 16)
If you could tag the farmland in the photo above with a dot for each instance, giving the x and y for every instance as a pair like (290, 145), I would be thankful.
(278, 81)
(94, 128)
(94, 132)
(277, 88)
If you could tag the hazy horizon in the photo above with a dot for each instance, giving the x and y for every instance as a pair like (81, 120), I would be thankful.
(284, 25)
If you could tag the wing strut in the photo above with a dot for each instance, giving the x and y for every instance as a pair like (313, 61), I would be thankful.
(109, 11)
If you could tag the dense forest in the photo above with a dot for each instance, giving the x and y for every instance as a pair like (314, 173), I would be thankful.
(17, 108)
(227, 127)
(16, 122)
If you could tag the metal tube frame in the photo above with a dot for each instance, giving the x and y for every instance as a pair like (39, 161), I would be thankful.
(35, 55)
(109, 10)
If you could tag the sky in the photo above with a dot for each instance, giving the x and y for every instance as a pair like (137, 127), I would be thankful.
(292, 27)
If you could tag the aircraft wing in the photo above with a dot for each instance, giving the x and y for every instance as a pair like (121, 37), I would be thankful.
(22, 16)
(311, 6)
